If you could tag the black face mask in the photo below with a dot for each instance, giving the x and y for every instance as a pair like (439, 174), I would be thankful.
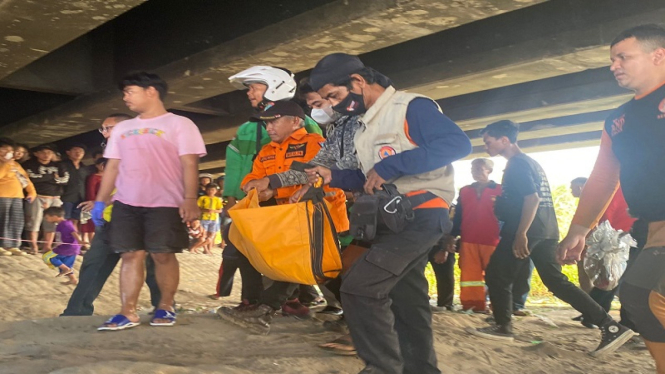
(352, 105)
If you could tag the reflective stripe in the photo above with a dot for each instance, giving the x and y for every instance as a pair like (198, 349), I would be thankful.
(472, 284)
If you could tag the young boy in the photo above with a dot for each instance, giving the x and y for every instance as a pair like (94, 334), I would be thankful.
(530, 230)
(211, 207)
(153, 163)
(196, 235)
(64, 255)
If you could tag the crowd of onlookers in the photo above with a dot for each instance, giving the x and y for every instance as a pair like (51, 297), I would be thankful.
(35, 179)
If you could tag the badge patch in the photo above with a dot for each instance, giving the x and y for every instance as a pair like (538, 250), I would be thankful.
(386, 151)
(296, 150)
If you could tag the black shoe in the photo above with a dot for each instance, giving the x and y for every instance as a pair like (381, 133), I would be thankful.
(496, 332)
(613, 336)
(255, 319)
(578, 318)
(587, 324)
(332, 310)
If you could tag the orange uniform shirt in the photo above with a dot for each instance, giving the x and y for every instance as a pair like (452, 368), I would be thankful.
(276, 158)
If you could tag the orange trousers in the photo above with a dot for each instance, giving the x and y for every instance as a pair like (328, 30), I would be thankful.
(473, 260)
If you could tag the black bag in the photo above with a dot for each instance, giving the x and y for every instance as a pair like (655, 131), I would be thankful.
(393, 208)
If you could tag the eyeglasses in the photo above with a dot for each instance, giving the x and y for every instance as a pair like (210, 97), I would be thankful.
(104, 129)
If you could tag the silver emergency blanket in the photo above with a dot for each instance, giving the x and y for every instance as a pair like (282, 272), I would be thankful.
(607, 255)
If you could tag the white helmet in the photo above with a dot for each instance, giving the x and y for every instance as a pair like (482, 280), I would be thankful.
(281, 84)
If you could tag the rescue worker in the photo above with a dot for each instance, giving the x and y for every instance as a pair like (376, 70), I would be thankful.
(265, 85)
(478, 228)
(289, 142)
(338, 152)
(405, 143)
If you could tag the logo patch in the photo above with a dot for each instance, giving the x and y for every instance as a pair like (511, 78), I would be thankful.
(352, 106)
(617, 124)
(386, 151)
(296, 150)
(267, 158)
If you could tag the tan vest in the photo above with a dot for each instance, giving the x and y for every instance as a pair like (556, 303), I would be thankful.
(383, 134)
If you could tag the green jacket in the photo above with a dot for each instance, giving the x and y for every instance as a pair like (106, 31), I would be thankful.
(241, 151)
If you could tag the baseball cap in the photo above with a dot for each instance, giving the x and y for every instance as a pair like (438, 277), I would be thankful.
(76, 145)
(333, 68)
(280, 109)
(42, 147)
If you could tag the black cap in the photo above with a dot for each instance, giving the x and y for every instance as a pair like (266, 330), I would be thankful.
(42, 147)
(280, 109)
(333, 68)
(76, 145)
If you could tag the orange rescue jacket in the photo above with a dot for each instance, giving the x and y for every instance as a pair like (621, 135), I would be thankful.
(276, 158)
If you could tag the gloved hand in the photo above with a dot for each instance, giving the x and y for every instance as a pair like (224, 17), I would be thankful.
(97, 213)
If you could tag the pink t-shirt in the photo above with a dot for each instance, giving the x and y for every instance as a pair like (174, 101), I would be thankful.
(150, 172)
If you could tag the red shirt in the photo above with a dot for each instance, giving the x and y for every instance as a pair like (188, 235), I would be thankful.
(617, 213)
(474, 219)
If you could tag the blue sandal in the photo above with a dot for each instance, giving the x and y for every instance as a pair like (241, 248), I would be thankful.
(120, 322)
(163, 314)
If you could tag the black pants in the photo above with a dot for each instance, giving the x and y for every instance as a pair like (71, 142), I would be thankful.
(522, 286)
(445, 278)
(385, 297)
(504, 268)
(225, 280)
(98, 264)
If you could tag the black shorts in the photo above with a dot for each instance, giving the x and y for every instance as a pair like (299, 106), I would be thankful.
(635, 300)
(156, 230)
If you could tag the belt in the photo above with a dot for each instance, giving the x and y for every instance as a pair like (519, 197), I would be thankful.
(423, 199)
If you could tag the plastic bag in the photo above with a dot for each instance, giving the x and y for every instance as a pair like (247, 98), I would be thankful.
(607, 256)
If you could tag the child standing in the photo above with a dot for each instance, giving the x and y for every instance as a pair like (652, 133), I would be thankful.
(64, 255)
(211, 207)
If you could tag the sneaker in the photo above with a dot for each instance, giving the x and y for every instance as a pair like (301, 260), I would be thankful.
(578, 318)
(613, 336)
(496, 332)
(295, 309)
(256, 319)
(587, 324)
(521, 313)
(331, 310)
(316, 302)
(438, 309)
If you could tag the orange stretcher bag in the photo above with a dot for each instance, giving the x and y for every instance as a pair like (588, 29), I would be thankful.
(294, 243)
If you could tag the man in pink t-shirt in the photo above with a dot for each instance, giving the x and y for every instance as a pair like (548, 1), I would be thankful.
(153, 165)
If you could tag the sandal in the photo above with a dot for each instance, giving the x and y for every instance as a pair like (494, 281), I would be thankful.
(15, 251)
(163, 314)
(342, 346)
(121, 323)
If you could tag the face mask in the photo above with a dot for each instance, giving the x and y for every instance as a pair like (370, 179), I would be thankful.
(324, 116)
(352, 105)
(9, 156)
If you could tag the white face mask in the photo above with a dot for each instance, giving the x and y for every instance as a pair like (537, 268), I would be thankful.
(9, 156)
(325, 116)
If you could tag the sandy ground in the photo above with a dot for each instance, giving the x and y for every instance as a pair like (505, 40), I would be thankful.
(34, 340)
